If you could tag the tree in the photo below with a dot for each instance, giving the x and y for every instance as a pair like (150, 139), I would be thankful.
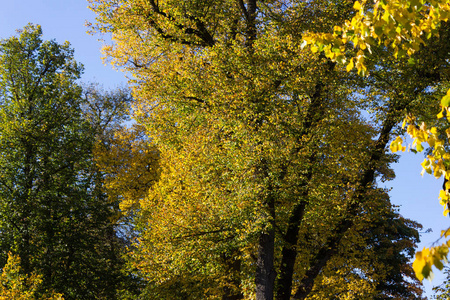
(108, 113)
(53, 213)
(15, 285)
(266, 164)
(129, 165)
(403, 27)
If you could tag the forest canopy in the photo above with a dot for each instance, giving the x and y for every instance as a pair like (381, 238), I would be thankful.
(246, 162)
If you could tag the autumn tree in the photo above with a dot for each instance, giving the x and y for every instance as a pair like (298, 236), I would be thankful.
(54, 216)
(266, 166)
(15, 285)
(405, 28)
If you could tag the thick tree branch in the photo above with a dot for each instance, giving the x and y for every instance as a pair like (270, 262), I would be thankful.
(330, 248)
(243, 9)
(201, 31)
(313, 116)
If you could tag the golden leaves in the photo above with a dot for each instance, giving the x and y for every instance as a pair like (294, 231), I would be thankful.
(130, 163)
(216, 113)
(429, 257)
(396, 145)
(436, 164)
(357, 5)
(398, 24)
(18, 286)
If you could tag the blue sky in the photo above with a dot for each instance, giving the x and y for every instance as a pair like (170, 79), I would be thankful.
(64, 20)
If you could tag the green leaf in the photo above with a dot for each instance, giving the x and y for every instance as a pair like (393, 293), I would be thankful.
(437, 263)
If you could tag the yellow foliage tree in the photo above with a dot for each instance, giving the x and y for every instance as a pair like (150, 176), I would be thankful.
(265, 163)
(130, 165)
(18, 286)
(404, 27)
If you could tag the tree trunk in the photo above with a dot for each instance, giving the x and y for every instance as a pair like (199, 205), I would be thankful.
(265, 273)
(289, 253)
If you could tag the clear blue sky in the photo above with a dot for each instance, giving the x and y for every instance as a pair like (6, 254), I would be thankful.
(64, 20)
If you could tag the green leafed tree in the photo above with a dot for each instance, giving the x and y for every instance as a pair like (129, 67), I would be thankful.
(53, 214)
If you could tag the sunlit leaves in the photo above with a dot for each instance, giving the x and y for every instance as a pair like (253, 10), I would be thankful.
(445, 101)
(130, 165)
(398, 24)
(436, 164)
(402, 26)
(248, 128)
(429, 257)
(18, 286)
(397, 145)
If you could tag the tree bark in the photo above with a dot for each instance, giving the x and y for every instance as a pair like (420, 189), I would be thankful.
(265, 272)
(289, 252)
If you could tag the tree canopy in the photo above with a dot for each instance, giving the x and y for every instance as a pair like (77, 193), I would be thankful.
(262, 132)
(270, 152)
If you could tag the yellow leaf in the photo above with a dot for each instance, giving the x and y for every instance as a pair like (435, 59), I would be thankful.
(443, 198)
(431, 141)
(419, 147)
(433, 130)
(350, 65)
(447, 232)
(394, 146)
(357, 5)
(418, 265)
(308, 39)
